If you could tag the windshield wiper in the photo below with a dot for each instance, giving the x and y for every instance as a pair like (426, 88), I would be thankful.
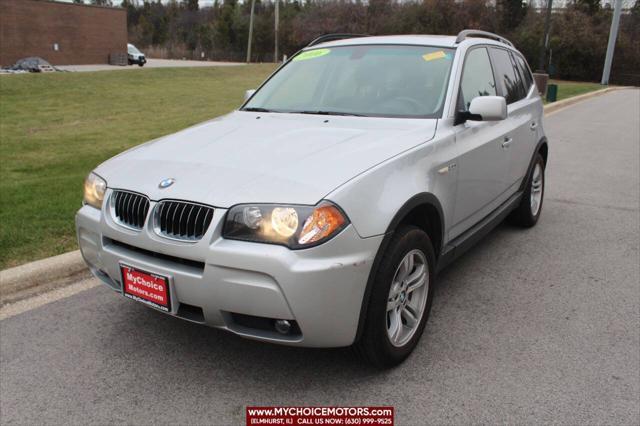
(257, 109)
(352, 114)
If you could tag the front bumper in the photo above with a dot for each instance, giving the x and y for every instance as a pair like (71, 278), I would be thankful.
(221, 283)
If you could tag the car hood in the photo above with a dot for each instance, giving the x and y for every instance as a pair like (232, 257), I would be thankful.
(263, 157)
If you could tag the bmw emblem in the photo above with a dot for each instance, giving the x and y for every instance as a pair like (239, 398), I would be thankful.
(165, 183)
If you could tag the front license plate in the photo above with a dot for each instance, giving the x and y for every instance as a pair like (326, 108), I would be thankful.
(146, 287)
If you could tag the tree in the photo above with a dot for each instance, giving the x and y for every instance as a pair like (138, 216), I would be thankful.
(178, 28)
(589, 6)
(191, 4)
(511, 13)
(225, 32)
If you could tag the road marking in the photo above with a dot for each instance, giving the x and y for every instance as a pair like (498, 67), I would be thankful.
(13, 309)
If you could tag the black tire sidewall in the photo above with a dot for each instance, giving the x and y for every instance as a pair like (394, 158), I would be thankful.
(526, 201)
(404, 240)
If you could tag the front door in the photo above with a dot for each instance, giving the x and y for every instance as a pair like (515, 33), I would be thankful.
(483, 147)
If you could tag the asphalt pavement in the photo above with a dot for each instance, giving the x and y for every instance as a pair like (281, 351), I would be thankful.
(534, 326)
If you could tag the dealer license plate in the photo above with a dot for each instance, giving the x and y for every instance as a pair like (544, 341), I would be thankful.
(146, 287)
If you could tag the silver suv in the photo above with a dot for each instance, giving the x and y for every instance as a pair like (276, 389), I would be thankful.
(320, 212)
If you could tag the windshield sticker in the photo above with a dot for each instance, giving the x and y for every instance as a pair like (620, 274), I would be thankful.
(311, 54)
(435, 55)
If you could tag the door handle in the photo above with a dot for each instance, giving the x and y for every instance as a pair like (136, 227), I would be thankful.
(533, 125)
(507, 142)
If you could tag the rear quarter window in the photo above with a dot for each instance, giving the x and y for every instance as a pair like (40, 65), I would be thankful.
(524, 71)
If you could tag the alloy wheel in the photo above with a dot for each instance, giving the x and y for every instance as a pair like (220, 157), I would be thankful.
(536, 189)
(407, 297)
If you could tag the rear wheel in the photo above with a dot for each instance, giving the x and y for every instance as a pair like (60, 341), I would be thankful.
(528, 211)
(400, 299)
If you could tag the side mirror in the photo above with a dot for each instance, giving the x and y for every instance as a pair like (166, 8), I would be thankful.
(488, 108)
(248, 94)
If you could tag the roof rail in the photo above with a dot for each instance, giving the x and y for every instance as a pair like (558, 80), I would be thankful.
(484, 34)
(331, 37)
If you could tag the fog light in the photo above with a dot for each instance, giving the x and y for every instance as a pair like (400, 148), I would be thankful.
(283, 326)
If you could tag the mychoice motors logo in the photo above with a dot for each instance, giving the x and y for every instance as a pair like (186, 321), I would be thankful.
(142, 282)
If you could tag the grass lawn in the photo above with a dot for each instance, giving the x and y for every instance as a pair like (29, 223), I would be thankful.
(567, 89)
(55, 128)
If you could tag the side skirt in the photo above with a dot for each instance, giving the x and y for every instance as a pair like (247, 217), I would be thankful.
(470, 237)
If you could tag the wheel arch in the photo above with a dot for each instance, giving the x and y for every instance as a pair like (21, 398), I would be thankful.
(542, 148)
(422, 210)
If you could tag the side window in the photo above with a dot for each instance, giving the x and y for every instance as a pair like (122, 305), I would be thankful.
(523, 91)
(508, 79)
(477, 77)
(524, 70)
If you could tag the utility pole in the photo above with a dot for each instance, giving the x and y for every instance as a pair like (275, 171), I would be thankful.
(253, 6)
(613, 34)
(277, 13)
(545, 42)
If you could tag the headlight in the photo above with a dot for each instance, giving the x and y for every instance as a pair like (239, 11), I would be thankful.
(94, 189)
(293, 226)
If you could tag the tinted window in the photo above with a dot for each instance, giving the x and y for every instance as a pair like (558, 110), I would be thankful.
(524, 70)
(372, 80)
(523, 91)
(477, 77)
(508, 79)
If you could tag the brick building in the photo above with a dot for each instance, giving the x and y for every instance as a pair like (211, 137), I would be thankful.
(61, 33)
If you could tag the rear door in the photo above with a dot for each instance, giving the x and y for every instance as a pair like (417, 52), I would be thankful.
(520, 115)
(483, 164)
(521, 156)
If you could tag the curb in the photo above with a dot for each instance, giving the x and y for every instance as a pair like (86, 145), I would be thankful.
(40, 275)
(555, 106)
(35, 277)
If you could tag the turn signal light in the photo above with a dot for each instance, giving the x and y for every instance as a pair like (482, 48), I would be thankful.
(323, 222)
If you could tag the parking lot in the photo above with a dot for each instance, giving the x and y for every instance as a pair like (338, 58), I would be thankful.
(535, 326)
(151, 63)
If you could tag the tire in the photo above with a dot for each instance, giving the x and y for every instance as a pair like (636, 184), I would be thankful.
(141, 64)
(376, 345)
(527, 213)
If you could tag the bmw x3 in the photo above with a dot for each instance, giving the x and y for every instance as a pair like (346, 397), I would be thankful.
(320, 212)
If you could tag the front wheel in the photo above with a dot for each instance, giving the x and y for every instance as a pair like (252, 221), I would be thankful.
(528, 211)
(400, 299)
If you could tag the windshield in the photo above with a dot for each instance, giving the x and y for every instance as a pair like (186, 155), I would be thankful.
(133, 50)
(368, 80)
